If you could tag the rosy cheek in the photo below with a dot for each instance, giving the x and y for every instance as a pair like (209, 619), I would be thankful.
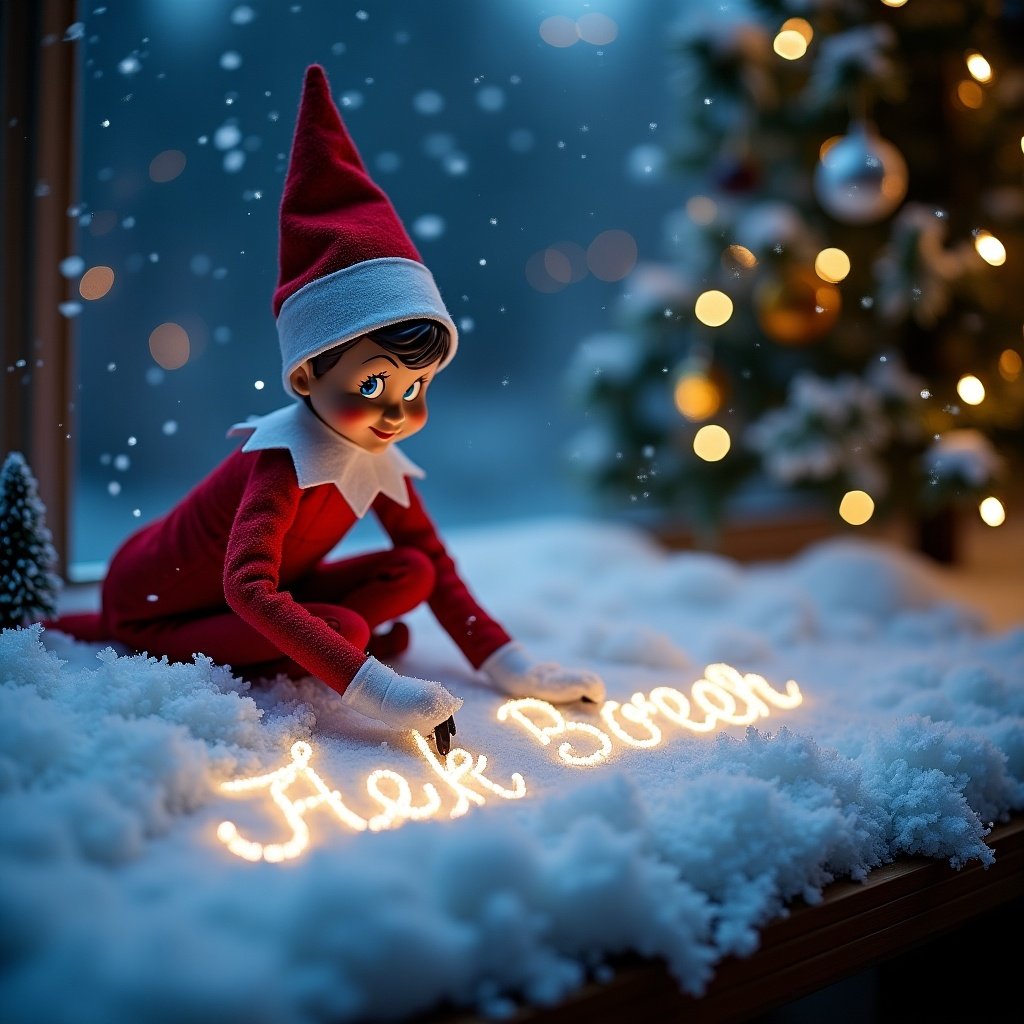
(348, 413)
(416, 417)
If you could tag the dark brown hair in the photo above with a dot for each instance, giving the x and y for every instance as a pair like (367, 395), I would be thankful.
(415, 342)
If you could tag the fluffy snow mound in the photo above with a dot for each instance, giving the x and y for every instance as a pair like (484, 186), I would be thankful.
(121, 901)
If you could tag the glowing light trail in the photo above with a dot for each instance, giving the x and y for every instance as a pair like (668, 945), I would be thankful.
(721, 696)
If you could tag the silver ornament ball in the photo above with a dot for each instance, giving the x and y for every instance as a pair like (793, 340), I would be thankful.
(860, 178)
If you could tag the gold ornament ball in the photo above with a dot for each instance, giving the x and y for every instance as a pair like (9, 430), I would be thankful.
(797, 307)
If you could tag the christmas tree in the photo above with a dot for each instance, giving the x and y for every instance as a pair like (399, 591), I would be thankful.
(837, 319)
(28, 584)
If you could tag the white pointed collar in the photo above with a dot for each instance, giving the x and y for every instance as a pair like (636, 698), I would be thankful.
(323, 456)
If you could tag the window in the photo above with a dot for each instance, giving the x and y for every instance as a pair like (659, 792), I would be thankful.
(506, 152)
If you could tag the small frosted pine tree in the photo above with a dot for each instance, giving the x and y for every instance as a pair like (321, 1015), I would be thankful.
(28, 583)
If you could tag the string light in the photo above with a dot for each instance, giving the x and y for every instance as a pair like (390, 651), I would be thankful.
(832, 265)
(989, 248)
(979, 67)
(800, 26)
(713, 308)
(712, 443)
(696, 396)
(790, 44)
(992, 512)
(857, 507)
(970, 389)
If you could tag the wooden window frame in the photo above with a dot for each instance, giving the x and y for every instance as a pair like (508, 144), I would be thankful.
(40, 152)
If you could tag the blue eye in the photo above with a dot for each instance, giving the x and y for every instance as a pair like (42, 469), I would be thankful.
(372, 387)
(412, 390)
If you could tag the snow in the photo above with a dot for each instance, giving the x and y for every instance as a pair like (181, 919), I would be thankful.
(119, 902)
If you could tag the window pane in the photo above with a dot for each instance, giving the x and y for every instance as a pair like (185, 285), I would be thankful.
(495, 146)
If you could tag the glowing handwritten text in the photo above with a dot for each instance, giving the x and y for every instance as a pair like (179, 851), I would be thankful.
(722, 695)
(460, 770)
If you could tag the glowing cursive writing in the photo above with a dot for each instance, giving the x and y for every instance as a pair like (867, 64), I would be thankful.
(459, 770)
(721, 695)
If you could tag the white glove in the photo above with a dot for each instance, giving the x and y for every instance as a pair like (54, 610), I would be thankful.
(511, 670)
(401, 702)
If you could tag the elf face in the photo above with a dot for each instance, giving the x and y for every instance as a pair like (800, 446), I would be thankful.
(369, 396)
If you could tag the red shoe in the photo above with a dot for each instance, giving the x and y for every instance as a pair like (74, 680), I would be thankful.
(389, 645)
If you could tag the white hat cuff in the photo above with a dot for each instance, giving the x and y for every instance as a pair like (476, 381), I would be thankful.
(354, 301)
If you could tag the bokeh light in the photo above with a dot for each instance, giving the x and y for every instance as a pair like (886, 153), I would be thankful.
(428, 102)
(989, 248)
(96, 282)
(169, 346)
(166, 166)
(790, 44)
(597, 29)
(1010, 365)
(559, 30)
(979, 68)
(992, 512)
(828, 144)
(701, 209)
(970, 389)
(832, 265)
(799, 25)
(696, 396)
(612, 255)
(557, 266)
(537, 274)
(566, 262)
(969, 94)
(429, 226)
(713, 308)
(712, 443)
(739, 256)
(857, 507)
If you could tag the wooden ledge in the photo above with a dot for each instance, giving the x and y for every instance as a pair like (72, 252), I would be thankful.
(855, 926)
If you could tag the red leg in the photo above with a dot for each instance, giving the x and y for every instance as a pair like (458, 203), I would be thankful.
(88, 626)
(229, 640)
(379, 586)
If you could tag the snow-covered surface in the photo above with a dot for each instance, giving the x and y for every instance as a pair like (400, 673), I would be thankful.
(119, 903)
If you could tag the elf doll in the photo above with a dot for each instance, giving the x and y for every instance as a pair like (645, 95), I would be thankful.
(237, 570)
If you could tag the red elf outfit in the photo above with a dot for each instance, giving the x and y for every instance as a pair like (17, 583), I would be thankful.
(238, 569)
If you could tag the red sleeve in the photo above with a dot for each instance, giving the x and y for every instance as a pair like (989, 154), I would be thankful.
(252, 567)
(475, 633)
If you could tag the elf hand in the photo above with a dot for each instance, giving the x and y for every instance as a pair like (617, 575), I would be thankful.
(401, 702)
(511, 670)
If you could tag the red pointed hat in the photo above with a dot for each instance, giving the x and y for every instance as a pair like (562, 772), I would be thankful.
(346, 263)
